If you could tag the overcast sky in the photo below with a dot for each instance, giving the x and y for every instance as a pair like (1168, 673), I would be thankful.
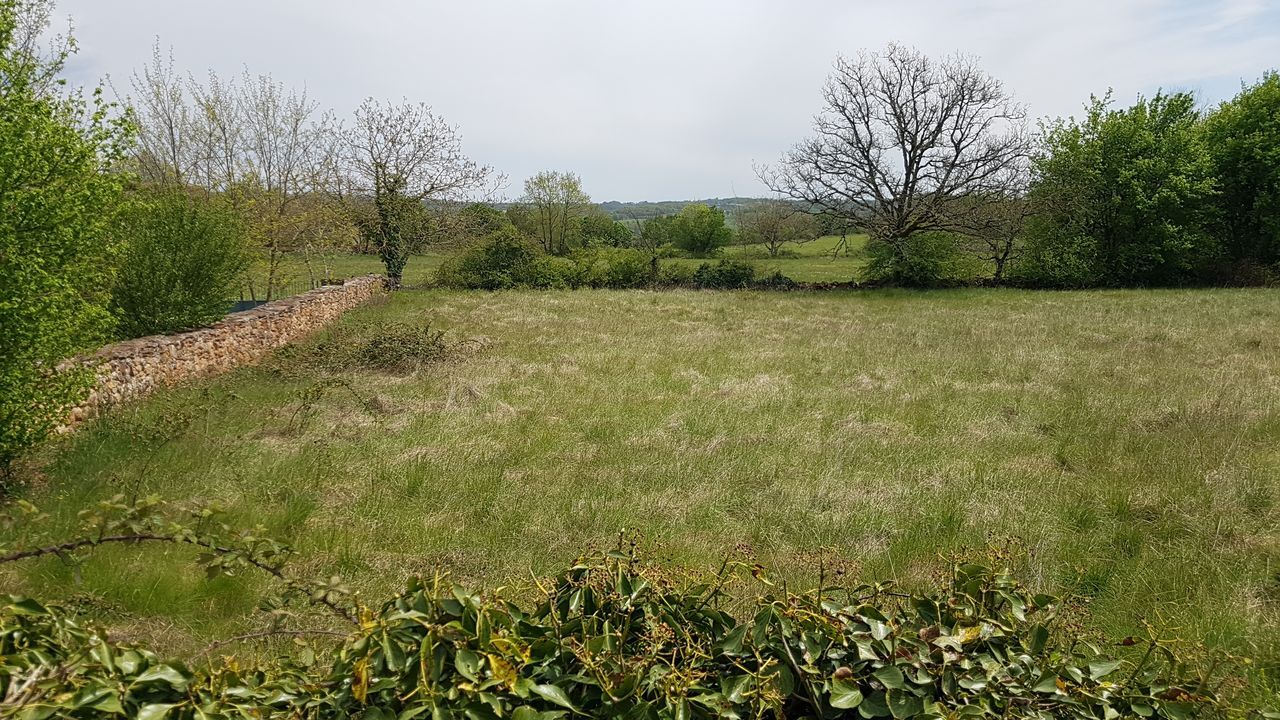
(669, 99)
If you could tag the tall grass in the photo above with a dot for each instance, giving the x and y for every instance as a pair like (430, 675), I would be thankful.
(1122, 445)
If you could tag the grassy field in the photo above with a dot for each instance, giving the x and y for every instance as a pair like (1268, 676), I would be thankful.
(294, 276)
(1125, 445)
(809, 262)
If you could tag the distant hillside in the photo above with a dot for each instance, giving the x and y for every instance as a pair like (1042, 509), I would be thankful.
(641, 211)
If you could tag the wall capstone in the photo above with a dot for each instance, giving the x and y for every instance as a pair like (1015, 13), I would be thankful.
(130, 369)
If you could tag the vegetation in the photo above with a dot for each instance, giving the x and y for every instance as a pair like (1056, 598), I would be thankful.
(1243, 138)
(405, 154)
(774, 224)
(1120, 437)
(1126, 197)
(699, 230)
(553, 202)
(182, 257)
(907, 146)
(613, 638)
(1115, 447)
(254, 146)
(58, 194)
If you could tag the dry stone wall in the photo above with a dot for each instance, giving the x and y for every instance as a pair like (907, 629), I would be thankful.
(133, 368)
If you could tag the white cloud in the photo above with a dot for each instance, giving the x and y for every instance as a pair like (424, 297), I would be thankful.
(652, 99)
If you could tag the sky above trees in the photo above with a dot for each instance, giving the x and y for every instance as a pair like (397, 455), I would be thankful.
(668, 99)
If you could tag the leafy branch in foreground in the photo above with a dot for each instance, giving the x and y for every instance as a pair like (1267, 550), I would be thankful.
(612, 638)
(224, 550)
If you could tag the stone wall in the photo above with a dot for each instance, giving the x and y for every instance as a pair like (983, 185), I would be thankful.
(133, 368)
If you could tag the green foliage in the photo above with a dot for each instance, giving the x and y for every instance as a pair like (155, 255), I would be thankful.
(505, 260)
(676, 274)
(400, 226)
(598, 229)
(58, 192)
(724, 275)
(1244, 140)
(482, 220)
(1126, 194)
(611, 267)
(923, 260)
(614, 638)
(1054, 260)
(182, 258)
(699, 230)
(554, 203)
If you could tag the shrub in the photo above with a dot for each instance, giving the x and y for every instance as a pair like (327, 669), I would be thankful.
(505, 260)
(699, 230)
(611, 268)
(550, 272)
(1052, 260)
(927, 260)
(1243, 138)
(675, 274)
(181, 260)
(724, 275)
(612, 638)
(776, 281)
(59, 186)
(1138, 184)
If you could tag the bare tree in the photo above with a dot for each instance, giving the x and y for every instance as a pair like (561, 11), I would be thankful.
(34, 53)
(774, 223)
(217, 130)
(995, 230)
(165, 122)
(256, 145)
(554, 200)
(399, 154)
(288, 169)
(906, 145)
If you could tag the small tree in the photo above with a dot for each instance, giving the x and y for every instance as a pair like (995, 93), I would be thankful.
(59, 188)
(905, 145)
(405, 153)
(774, 223)
(996, 233)
(699, 229)
(183, 257)
(596, 228)
(265, 149)
(555, 201)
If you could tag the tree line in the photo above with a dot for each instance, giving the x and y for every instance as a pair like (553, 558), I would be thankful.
(935, 159)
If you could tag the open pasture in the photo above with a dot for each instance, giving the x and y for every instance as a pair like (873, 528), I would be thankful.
(1123, 446)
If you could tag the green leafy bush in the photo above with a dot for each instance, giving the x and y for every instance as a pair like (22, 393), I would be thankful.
(675, 274)
(506, 261)
(503, 261)
(1243, 139)
(1136, 186)
(699, 230)
(611, 267)
(182, 259)
(60, 182)
(613, 638)
(927, 260)
(1052, 260)
(725, 275)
